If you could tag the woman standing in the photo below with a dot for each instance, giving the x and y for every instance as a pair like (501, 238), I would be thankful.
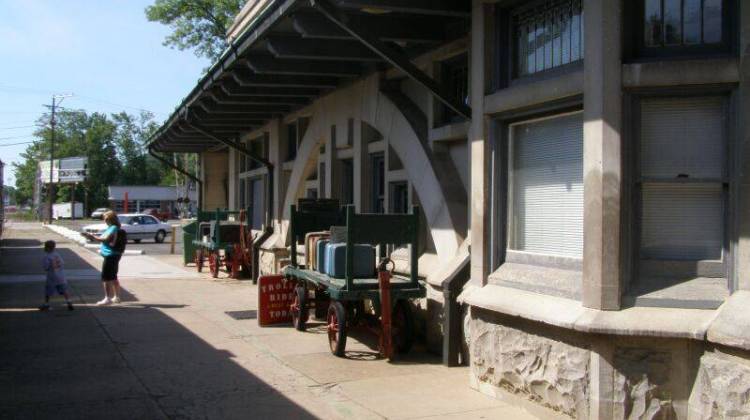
(111, 263)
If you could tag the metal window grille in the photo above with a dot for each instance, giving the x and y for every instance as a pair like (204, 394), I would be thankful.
(547, 36)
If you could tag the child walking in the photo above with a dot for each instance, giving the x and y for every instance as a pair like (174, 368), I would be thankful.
(53, 265)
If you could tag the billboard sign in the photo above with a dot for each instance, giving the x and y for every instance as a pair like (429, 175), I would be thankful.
(65, 171)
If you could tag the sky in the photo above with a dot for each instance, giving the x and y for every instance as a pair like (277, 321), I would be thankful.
(105, 52)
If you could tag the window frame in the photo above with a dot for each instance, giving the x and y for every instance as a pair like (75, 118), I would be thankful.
(505, 49)
(499, 136)
(636, 49)
(510, 199)
(636, 268)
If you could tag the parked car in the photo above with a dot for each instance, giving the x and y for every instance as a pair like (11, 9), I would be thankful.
(98, 213)
(138, 227)
(163, 216)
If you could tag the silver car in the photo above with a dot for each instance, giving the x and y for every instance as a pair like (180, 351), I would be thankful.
(138, 227)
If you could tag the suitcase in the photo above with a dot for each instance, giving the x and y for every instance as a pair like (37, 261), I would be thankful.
(364, 260)
(320, 255)
(310, 240)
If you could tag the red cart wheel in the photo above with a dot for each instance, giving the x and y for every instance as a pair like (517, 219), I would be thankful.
(213, 263)
(299, 309)
(402, 327)
(199, 259)
(337, 328)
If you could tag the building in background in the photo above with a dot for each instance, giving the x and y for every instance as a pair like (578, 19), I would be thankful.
(165, 199)
(580, 166)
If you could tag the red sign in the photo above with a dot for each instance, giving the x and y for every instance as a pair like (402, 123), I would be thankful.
(275, 296)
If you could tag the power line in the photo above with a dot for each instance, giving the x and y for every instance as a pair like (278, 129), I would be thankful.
(15, 137)
(16, 144)
(20, 126)
(85, 97)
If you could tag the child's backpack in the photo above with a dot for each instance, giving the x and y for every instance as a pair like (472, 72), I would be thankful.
(120, 241)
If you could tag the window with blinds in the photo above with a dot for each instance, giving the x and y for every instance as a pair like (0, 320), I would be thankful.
(683, 178)
(546, 186)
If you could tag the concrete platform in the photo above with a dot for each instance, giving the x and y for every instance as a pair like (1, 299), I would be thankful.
(171, 350)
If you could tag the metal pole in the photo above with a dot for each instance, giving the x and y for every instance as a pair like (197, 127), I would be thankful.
(51, 188)
(73, 201)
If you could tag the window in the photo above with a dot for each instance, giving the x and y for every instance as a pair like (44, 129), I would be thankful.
(546, 186)
(256, 195)
(546, 35)
(347, 181)
(291, 141)
(455, 77)
(149, 220)
(243, 193)
(683, 178)
(377, 163)
(399, 197)
(682, 22)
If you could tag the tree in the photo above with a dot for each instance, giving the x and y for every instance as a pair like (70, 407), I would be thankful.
(196, 24)
(114, 146)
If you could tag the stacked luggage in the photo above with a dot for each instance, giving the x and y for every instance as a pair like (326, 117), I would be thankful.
(326, 253)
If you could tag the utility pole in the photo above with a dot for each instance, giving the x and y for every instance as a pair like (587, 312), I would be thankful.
(51, 189)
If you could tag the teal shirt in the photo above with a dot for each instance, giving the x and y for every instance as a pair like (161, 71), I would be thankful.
(105, 249)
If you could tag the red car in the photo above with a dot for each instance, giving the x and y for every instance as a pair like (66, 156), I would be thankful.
(163, 216)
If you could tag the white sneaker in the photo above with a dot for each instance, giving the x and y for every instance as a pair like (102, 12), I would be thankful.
(103, 302)
(116, 299)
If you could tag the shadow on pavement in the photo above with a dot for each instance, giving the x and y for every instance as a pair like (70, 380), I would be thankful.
(127, 361)
(24, 256)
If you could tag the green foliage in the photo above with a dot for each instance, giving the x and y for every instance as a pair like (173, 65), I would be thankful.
(196, 24)
(115, 146)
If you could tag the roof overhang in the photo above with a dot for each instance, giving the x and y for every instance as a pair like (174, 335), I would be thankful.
(294, 51)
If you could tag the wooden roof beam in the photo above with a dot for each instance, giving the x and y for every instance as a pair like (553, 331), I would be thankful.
(233, 89)
(267, 64)
(454, 8)
(393, 56)
(413, 29)
(221, 98)
(247, 78)
(286, 47)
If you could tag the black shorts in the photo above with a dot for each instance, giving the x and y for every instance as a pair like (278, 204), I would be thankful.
(110, 267)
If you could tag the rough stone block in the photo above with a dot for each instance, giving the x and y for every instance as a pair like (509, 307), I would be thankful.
(722, 388)
(642, 384)
(548, 370)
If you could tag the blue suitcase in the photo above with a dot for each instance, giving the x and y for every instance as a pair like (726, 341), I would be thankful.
(320, 255)
(364, 260)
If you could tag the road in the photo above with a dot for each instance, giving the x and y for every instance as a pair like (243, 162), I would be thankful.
(147, 246)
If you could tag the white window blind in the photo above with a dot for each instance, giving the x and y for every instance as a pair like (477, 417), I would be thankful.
(683, 155)
(682, 136)
(547, 186)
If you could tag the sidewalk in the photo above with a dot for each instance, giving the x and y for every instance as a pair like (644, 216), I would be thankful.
(185, 346)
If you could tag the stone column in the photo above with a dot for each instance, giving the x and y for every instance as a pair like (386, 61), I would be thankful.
(743, 132)
(601, 154)
(233, 181)
(479, 197)
(275, 133)
(360, 160)
(329, 160)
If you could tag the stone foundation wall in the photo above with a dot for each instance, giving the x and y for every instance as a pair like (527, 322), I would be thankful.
(722, 388)
(599, 376)
(541, 365)
(272, 260)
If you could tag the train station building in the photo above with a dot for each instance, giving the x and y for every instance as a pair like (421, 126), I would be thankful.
(580, 166)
